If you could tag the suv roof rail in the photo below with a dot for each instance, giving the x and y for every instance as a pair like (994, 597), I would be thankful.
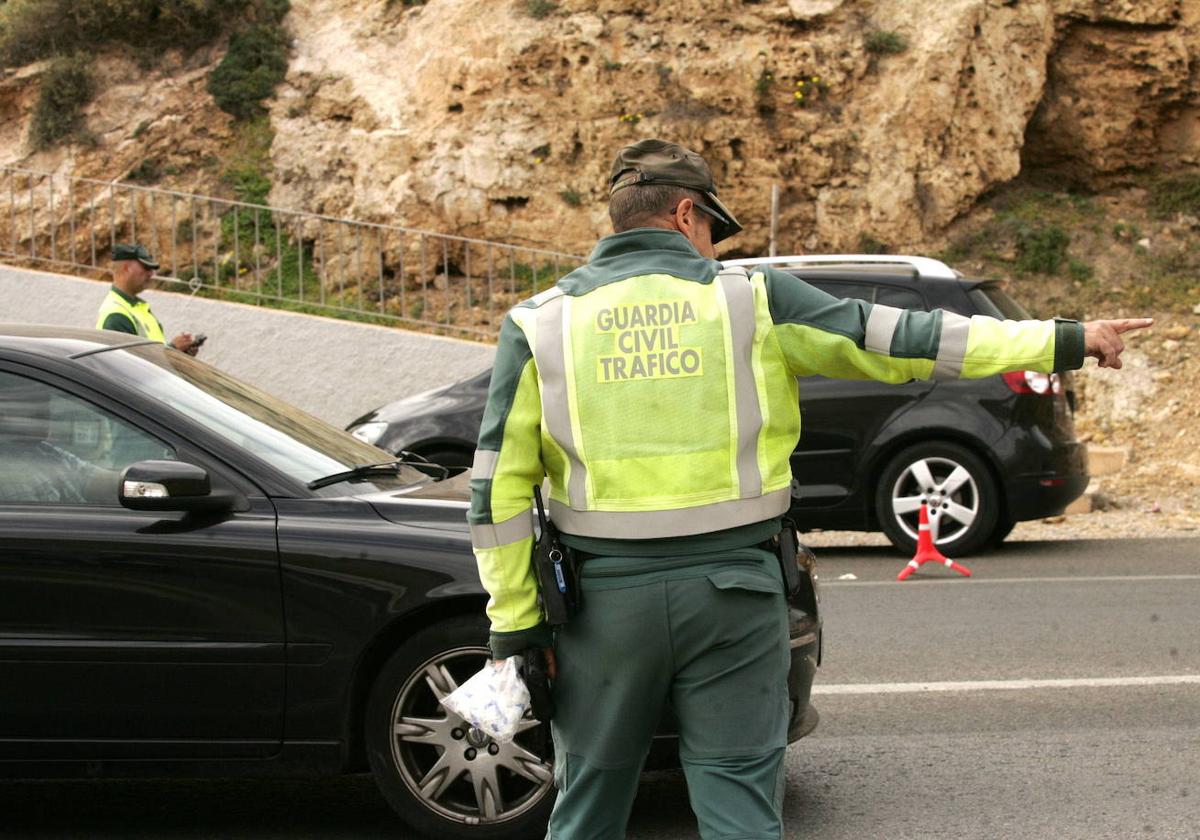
(925, 266)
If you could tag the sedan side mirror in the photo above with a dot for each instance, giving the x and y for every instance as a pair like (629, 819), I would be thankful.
(170, 485)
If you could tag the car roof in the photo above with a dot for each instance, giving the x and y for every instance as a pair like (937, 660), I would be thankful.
(901, 268)
(62, 342)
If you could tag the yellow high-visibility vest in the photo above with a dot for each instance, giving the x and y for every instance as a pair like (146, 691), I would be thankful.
(653, 397)
(139, 313)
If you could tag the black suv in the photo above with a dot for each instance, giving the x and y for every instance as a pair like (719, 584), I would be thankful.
(984, 454)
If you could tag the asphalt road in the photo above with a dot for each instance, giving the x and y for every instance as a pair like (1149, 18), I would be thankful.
(1055, 694)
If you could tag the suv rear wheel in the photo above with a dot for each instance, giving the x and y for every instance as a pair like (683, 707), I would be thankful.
(956, 485)
(443, 777)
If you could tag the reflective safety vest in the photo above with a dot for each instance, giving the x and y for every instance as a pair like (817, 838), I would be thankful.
(139, 313)
(663, 402)
(653, 398)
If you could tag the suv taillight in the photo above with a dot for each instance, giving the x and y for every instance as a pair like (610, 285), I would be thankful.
(1032, 382)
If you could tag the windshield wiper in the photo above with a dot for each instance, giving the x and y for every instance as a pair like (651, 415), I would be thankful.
(364, 470)
(358, 471)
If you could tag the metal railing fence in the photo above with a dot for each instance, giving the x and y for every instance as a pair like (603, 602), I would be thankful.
(266, 255)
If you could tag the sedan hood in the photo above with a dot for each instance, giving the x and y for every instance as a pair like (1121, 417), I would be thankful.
(436, 402)
(439, 504)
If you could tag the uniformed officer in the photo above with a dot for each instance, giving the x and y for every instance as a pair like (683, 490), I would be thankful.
(658, 394)
(123, 311)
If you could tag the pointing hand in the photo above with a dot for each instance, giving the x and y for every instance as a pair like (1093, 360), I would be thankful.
(1102, 339)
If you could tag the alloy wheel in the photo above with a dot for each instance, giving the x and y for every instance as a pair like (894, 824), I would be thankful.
(457, 771)
(949, 490)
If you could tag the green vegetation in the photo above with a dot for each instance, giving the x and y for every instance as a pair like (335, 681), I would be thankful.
(254, 256)
(868, 244)
(254, 64)
(1124, 231)
(612, 66)
(885, 42)
(539, 9)
(808, 90)
(1041, 249)
(764, 87)
(1180, 194)
(35, 29)
(571, 197)
(68, 30)
(1030, 232)
(146, 172)
(1072, 259)
(66, 88)
(1080, 271)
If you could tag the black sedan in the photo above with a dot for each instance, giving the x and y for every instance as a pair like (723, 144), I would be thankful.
(983, 454)
(197, 578)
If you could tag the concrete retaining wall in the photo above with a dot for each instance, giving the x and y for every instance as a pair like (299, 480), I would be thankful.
(334, 369)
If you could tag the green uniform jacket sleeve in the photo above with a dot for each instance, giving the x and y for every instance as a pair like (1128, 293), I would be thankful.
(119, 322)
(853, 339)
(508, 463)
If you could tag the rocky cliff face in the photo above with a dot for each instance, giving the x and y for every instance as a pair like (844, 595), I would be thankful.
(489, 121)
(499, 119)
(164, 114)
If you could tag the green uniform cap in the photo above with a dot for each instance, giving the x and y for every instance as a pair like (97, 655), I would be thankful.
(137, 252)
(659, 162)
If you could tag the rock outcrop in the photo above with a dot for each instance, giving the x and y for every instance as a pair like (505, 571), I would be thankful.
(499, 120)
(503, 125)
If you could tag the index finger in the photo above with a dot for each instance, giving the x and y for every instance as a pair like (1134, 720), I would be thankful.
(1127, 324)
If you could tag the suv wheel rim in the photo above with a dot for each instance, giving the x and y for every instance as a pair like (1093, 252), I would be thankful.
(950, 491)
(456, 771)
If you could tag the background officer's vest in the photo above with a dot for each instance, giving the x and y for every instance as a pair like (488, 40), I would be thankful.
(664, 402)
(143, 319)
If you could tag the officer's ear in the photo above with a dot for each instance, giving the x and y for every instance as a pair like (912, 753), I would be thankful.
(684, 215)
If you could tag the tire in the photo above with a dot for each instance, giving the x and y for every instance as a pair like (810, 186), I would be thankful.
(1004, 527)
(501, 791)
(964, 505)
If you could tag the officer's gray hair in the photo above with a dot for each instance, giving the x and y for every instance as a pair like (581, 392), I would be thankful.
(644, 205)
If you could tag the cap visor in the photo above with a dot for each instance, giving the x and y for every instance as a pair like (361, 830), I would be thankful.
(726, 228)
(150, 265)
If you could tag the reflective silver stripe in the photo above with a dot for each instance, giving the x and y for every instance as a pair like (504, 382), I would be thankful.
(739, 299)
(952, 346)
(881, 327)
(646, 525)
(556, 407)
(546, 295)
(484, 465)
(494, 535)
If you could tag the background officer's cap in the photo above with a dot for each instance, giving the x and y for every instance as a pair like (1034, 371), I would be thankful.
(134, 252)
(657, 162)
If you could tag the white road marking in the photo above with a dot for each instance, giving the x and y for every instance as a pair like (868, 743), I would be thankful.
(1004, 685)
(975, 581)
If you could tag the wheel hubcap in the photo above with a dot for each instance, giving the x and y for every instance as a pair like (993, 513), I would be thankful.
(947, 488)
(455, 769)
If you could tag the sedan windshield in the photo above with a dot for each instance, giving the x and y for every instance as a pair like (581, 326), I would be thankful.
(294, 442)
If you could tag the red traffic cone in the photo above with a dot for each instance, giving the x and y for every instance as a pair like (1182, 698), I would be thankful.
(927, 552)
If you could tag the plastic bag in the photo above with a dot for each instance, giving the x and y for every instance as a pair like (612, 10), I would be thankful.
(494, 700)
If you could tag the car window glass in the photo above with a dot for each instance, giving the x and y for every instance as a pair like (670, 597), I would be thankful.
(993, 300)
(296, 443)
(56, 448)
(899, 298)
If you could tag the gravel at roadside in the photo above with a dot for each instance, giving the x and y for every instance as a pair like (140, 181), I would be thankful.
(1106, 524)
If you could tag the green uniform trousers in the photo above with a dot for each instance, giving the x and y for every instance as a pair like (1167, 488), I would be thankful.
(706, 635)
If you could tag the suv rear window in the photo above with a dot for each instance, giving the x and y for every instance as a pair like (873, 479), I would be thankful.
(991, 299)
(872, 293)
